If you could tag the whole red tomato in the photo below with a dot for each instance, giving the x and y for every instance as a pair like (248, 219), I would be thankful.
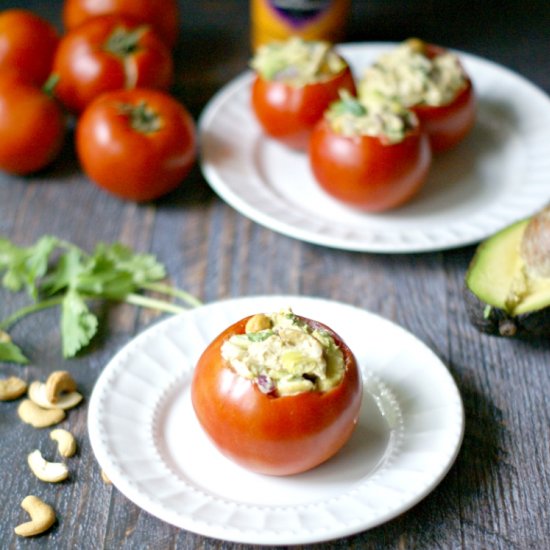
(27, 44)
(138, 144)
(447, 125)
(32, 126)
(289, 113)
(109, 53)
(163, 16)
(268, 434)
(367, 173)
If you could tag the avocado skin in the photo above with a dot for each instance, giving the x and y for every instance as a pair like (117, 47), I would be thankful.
(499, 323)
(508, 242)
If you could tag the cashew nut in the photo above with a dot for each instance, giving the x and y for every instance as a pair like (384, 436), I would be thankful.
(105, 478)
(52, 472)
(66, 443)
(42, 517)
(12, 388)
(258, 322)
(38, 417)
(38, 393)
(58, 382)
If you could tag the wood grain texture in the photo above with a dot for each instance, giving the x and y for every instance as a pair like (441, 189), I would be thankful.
(496, 494)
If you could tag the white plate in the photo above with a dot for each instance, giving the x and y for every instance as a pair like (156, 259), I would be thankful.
(498, 175)
(146, 437)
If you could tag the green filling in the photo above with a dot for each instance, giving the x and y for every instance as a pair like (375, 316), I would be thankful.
(373, 115)
(288, 358)
(297, 62)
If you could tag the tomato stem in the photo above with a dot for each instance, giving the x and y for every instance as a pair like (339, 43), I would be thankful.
(142, 117)
(49, 86)
(123, 42)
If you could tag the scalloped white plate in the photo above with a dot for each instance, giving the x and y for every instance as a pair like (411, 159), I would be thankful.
(145, 435)
(499, 174)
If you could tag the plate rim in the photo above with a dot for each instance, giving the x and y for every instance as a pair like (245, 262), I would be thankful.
(291, 229)
(126, 486)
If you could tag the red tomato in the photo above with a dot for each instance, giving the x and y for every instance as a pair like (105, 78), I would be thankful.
(138, 144)
(164, 19)
(268, 434)
(289, 113)
(367, 173)
(448, 124)
(109, 53)
(27, 44)
(32, 126)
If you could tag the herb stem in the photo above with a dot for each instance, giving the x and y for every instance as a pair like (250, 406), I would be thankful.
(33, 308)
(144, 301)
(171, 291)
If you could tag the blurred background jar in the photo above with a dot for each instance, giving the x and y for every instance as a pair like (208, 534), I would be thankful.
(310, 19)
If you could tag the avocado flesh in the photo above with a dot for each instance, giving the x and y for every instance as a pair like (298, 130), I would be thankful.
(499, 277)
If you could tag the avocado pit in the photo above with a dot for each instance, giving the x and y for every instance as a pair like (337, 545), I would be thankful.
(508, 281)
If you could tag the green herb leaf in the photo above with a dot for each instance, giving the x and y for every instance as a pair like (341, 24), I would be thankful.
(25, 266)
(78, 324)
(259, 336)
(111, 272)
(348, 105)
(67, 269)
(144, 268)
(9, 352)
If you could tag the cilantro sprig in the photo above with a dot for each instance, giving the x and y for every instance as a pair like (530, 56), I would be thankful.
(56, 273)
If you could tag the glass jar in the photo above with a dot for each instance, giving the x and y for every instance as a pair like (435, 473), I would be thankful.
(310, 19)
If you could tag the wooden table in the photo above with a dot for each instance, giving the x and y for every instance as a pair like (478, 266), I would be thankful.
(496, 494)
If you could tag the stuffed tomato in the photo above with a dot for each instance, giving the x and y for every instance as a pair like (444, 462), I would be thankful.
(295, 83)
(372, 155)
(278, 394)
(432, 82)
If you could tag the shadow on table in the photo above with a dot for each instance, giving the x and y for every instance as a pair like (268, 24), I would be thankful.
(436, 520)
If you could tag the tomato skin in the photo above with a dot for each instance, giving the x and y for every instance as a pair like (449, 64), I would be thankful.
(32, 126)
(86, 69)
(447, 125)
(364, 172)
(273, 435)
(288, 113)
(27, 44)
(165, 19)
(135, 163)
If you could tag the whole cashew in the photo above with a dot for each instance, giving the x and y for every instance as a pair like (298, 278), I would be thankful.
(66, 443)
(38, 393)
(105, 478)
(42, 517)
(58, 382)
(51, 472)
(38, 417)
(258, 322)
(12, 388)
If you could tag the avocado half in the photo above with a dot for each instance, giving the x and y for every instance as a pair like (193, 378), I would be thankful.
(507, 290)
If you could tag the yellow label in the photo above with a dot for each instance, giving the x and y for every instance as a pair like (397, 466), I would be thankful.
(310, 19)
